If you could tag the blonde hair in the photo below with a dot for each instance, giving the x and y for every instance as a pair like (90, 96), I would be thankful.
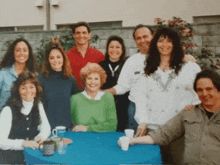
(92, 68)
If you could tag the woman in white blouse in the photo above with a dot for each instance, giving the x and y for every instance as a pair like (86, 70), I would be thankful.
(167, 85)
(23, 122)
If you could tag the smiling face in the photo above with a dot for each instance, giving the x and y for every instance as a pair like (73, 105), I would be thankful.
(21, 52)
(56, 60)
(165, 46)
(143, 38)
(114, 51)
(207, 92)
(81, 35)
(28, 91)
(93, 82)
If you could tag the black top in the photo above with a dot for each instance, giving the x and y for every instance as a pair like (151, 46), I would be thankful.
(111, 79)
(113, 70)
(209, 114)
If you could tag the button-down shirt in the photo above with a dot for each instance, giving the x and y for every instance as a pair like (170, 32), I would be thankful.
(202, 135)
(7, 77)
(77, 61)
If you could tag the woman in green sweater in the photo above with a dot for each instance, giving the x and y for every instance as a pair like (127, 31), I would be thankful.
(93, 110)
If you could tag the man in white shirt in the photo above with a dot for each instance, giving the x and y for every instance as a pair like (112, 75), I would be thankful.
(131, 72)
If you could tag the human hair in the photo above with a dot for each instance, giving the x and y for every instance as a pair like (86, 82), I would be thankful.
(9, 59)
(121, 41)
(66, 68)
(210, 74)
(176, 59)
(142, 26)
(78, 24)
(15, 99)
(92, 68)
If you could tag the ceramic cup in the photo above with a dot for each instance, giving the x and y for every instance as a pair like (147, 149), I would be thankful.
(47, 147)
(59, 131)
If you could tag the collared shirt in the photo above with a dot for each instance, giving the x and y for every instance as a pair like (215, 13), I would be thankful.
(130, 74)
(7, 78)
(97, 97)
(77, 61)
(202, 135)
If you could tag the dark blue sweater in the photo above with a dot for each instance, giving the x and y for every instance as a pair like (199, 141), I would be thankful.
(56, 98)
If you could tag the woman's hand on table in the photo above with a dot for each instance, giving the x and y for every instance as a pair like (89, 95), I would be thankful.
(141, 130)
(38, 139)
(30, 144)
(80, 128)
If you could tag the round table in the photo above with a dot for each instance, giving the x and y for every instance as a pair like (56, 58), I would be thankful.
(97, 148)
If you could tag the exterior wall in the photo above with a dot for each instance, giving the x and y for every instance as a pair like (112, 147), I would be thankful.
(205, 35)
(130, 12)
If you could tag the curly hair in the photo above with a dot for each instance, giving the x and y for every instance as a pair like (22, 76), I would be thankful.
(153, 60)
(9, 59)
(121, 41)
(66, 68)
(92, 68)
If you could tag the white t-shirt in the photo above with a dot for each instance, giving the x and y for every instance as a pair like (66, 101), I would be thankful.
(162, 95)
(130, 74)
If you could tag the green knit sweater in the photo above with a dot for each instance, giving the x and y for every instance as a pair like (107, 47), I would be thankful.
(97, 115)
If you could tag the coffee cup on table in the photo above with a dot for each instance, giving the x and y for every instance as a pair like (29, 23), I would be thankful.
(48, 147)
(129, 133)
(124, 142)
(59, 131)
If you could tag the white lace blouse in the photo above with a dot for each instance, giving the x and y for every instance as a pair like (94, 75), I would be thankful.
(162, 95)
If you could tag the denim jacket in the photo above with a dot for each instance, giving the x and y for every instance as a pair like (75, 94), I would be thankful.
(202, 135)
(7, 77)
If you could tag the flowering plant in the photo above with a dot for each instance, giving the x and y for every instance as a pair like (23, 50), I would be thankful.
(183, 28)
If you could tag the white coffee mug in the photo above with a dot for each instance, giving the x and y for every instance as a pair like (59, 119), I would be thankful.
(59, 131)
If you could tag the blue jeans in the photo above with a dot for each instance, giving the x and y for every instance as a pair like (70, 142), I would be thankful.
(132, 124)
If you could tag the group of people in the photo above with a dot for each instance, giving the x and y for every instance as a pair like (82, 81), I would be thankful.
(84, 90)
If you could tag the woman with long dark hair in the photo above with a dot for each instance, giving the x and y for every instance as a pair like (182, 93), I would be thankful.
(58, 85)
(18, 58)
(167, 85)
(115, 57)
(23, 122)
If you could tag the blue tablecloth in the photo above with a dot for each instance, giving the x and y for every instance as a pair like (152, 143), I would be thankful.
(97, 148)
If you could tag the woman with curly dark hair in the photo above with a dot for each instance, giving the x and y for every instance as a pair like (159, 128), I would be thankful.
(167, 85)
(18, 58)
(58, 85)
(23, 122)
(115, 58)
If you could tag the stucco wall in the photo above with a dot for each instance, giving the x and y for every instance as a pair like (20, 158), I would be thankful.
(130, 12)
